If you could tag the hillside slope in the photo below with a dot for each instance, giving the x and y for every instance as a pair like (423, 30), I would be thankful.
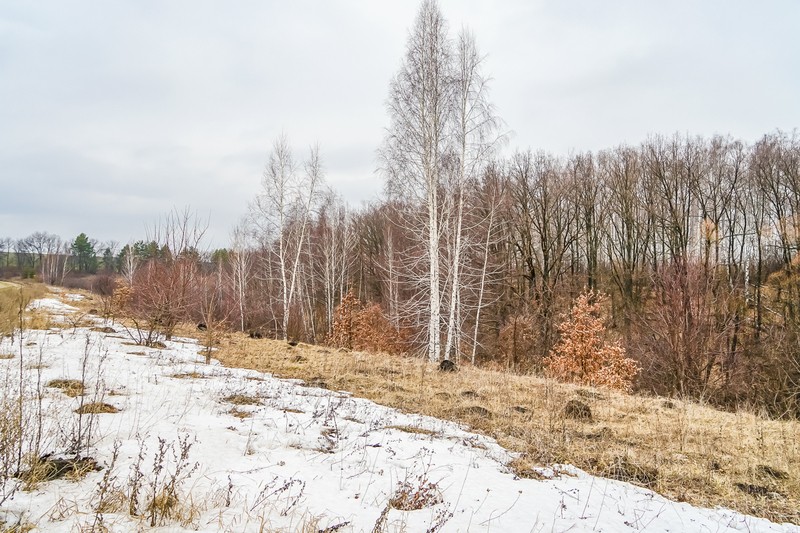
(209, 448)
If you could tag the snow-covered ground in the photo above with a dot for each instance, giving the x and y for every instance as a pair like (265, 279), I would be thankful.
(305, 458)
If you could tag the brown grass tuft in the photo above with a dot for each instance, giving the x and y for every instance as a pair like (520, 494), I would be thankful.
(242, 399)
(238, 413)
(12, 294)
(684, 450)
(49, 469)
(70, 387)
(416, 494)
(96, 408)
(189, 375)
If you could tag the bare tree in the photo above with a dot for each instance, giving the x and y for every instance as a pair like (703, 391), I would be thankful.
(241, 259)
(54, 259)
(333, 253)
(626, 230)
(5, 248)
(163, 291)
(475, 139)
(281, 214)
(420, 103)
(544, 229)
(129, 263)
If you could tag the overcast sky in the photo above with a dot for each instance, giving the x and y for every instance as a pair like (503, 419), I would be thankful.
(113, 113)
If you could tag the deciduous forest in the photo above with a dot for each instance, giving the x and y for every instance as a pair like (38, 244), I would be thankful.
(684, 248)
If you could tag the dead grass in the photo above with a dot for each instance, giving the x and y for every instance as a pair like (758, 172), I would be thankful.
(685, 451)
(22, 527)
(14, 293)
(49, 469)
(189, 375)
(242, 399)
(71, 387)
(38, 319)
(96, 408)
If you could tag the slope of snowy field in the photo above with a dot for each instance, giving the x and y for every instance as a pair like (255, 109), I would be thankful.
(256, 453)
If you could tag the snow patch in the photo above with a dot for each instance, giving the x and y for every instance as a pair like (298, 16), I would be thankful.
(289, 455)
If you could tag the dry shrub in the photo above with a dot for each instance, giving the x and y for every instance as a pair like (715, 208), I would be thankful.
(583, 355)
(692, 337)
(343, 330)
(416, 495)
(364, 327)
(105, 284)
(121, 297)
(375, 333)
(161, 295)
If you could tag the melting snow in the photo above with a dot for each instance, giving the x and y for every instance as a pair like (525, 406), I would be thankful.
(305, 455)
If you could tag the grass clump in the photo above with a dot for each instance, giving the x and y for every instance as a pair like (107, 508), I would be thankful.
(240, 414)
(20, 527)
(242, 399)
(96, 408)
(14, 297)
(46, 469)
(189, 375)
(71, 387)
(415, 494)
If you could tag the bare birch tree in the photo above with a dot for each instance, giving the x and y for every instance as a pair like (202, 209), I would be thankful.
(475, 138)
(281, 213)
(420, 101)
(241, 259)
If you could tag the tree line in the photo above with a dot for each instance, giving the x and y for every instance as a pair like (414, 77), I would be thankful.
(477, 257)
(53, 258)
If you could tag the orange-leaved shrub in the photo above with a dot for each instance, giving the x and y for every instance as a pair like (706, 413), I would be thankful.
(584, 355)
(363, 327)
